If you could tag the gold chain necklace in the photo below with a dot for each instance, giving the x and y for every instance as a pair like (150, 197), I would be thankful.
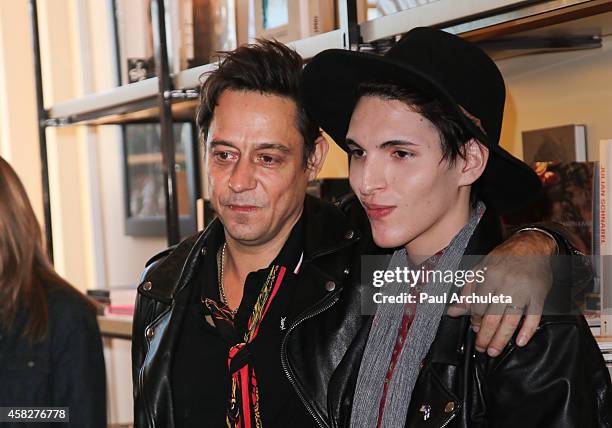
(220, 267)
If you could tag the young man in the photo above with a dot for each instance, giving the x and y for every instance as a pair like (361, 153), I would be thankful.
(215, 314)
(426, 165)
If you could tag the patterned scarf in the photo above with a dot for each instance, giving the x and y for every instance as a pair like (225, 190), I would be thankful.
(382, 338)
(243, 408)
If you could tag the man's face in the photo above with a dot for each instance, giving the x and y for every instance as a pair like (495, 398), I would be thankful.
(409, 193)
(254, 154)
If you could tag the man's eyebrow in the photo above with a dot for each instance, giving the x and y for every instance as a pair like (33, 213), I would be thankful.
(216, 143)
(395, 143)
(272, 146)
(258, 146)
(390, 143)
(350, 142)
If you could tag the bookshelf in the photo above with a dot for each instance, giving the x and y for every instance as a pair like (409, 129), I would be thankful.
(497, 24)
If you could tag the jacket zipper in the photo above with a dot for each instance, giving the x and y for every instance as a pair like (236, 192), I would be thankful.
(141, 371)
(142, 389)
(300, 394)
(448, 421)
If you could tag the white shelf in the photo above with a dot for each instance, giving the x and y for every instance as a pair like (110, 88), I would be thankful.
(102, 101)
(142, 95)
(119, 326)
(461, 16)
(311, 46)
(190, 78)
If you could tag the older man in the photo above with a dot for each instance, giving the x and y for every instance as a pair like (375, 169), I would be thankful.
(214, 313)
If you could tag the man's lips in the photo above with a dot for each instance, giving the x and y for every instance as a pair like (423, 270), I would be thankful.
(242, 208)
(375, 211)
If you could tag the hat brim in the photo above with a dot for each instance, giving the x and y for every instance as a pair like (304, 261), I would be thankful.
(330, 83)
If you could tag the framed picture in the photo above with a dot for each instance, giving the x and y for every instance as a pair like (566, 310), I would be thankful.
(288, 21)
(145, 199)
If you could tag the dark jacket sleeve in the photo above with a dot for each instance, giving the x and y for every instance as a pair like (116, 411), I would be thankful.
(573, 271)
(558, 380)
(144, 313)
(79, 378)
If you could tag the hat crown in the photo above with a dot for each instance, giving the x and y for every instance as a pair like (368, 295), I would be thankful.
(461, 69)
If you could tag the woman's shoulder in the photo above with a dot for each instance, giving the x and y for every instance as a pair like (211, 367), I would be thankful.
(68, 307)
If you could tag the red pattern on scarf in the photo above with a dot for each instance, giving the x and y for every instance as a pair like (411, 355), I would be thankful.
(407, 318)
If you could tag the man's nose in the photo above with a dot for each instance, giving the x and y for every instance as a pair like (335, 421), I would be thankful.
(372, 177)
(243, 176)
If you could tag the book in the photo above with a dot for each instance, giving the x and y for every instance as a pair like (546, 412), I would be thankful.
(214, 29)
(288, 21)
(605, 235)
(558, 144)
(568, 199)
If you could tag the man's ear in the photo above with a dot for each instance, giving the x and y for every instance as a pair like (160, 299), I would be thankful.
(317, 157)
(474, 162)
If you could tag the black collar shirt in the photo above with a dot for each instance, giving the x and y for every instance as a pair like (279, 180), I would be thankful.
(200, 375)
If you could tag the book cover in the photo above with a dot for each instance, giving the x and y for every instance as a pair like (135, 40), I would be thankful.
(558, 144)
(571, 198)
(605, 237)
(568, 199)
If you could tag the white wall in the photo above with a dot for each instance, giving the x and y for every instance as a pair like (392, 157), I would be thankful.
(18, 129)
(559, 89)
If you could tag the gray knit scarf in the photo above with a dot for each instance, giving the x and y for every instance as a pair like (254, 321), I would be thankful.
(383, 334)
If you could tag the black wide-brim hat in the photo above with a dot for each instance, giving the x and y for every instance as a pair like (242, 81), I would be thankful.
(452, 70)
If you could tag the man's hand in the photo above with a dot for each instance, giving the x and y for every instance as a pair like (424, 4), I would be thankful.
(515, 268)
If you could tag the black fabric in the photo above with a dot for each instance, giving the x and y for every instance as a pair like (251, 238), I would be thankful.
(328, 334)
(445, 66)
(558, 380)
(161, 306)
(201, 355)
(64, 369)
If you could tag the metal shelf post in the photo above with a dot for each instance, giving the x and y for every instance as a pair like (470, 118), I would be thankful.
(42, 134)
(165, 112)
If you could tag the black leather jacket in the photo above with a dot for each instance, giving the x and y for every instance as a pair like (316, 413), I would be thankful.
(329, 247)
(558, 380)
(328, 338)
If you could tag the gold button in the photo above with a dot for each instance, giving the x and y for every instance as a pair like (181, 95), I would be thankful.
(349, 234)
(150, 332)
(147, 286)
(330, 285)
(450, 406)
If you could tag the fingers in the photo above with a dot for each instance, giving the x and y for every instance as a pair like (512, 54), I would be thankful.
(458, 309)
(476, 322)
(531, 323)
(497, 328)
(490, 324)
(504, 333)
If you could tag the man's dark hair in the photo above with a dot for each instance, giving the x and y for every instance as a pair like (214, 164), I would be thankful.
(453, 134)
(266, 67)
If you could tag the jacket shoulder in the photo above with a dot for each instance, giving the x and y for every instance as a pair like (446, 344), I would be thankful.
(162, 274)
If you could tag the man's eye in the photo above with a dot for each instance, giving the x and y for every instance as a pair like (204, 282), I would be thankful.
(357, 153)
(268, 160)
(224, 156)
(402, 154)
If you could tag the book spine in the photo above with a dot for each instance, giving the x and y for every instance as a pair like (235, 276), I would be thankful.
(316, 17)
(605, 234)
(580, 143)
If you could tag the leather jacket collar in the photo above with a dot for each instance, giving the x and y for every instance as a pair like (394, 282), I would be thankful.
(175, 266)
(161, 303)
